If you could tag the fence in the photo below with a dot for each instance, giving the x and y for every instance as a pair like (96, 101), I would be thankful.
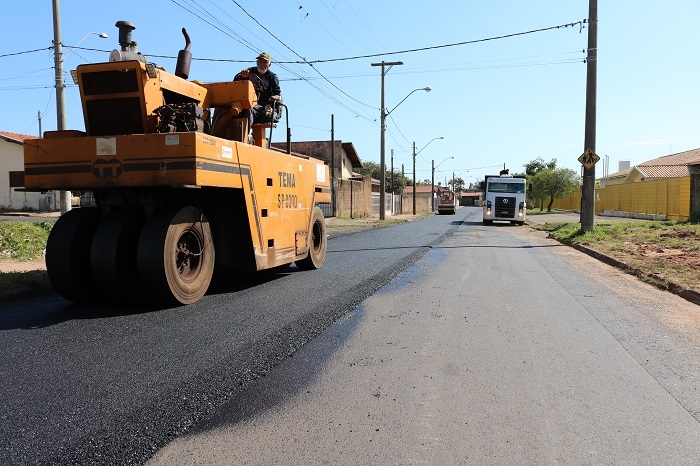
(668, 198)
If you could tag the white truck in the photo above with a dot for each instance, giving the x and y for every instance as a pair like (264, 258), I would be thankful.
(504, 198)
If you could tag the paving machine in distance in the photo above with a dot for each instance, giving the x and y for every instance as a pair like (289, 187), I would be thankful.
(448, 202)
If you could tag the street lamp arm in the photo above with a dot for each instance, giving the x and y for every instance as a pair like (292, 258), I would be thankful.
(58, 68)
(448, 158)
(432, 182)
(441, 137)
(101, 35)
(426, 89)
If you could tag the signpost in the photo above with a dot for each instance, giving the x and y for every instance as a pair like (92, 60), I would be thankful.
(588, 159)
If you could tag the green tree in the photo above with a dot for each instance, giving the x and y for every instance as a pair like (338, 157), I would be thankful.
(535, 197)
(538, 165)
(372, 169)
(457, 184)
(399, 180)
(554, 184)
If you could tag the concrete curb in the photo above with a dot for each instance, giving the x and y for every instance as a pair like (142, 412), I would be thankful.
(659, 282)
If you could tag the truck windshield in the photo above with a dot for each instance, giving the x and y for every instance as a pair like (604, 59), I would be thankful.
(500, 187)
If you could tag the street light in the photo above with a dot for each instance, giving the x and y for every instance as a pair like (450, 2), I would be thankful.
(101, 35)
(60, 85)
(383, 115)
(426, 89)
(414, 169)
(382, 171)
(432, 186)
(454, 176)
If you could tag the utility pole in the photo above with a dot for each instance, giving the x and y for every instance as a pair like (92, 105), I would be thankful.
(382, 158)
(333, 166)
(432, 185)
(589, 157)
(414, 177)
(60, 105)
(393, 186)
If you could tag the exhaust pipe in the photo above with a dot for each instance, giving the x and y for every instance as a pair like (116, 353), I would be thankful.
(184, 58)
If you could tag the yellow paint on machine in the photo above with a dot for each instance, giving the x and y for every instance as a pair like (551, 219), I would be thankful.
(281, 189)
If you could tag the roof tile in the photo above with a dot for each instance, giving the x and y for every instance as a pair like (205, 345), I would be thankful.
(16, 136)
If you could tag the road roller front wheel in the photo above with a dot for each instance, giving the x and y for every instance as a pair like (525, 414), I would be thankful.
(176, 255)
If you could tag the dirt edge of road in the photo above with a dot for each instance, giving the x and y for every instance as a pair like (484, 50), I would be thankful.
(664, 283)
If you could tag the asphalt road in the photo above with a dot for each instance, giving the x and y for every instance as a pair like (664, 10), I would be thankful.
(112, 385)
(439, 341)
(497, 347)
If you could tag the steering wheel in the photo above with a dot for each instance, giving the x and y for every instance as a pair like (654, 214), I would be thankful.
(255, 79)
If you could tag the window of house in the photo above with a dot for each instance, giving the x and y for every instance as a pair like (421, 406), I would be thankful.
(17, 179)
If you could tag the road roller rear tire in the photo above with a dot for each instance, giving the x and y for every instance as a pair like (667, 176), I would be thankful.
(176, 255)
(68, 254)
(113, 254)
(318, 243)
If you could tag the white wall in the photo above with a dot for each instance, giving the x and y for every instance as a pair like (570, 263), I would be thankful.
(347, 166)
(12, 159)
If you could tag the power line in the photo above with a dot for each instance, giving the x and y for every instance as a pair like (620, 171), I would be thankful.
(468, 42)
(363, 24)
(23, 53)
(304, 59)
(320, 24)
(248, 45)
(343, 25)
(207, 17)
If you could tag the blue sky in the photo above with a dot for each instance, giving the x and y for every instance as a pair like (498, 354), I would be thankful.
(494, 101)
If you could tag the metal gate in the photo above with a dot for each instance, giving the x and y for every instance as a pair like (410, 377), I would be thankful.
(375, 204)
(327, 208)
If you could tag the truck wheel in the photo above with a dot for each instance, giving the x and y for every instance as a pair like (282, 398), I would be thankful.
(113, 254)
(68, 254)
(318, 243)
(176, 255)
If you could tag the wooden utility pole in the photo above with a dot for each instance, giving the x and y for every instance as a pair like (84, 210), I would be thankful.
(393, 186)
(589, 158)
(60, 104)
(382, 161)
(333, 197)
(414, 177)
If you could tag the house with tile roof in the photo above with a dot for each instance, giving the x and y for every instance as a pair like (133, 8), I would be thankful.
(670, 166)
(353, 195)
(471, 198)
(666, 187)
(12, 195)
(344, 155)
(424, 195)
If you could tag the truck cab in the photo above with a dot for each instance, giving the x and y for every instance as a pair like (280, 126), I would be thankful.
(504, 198)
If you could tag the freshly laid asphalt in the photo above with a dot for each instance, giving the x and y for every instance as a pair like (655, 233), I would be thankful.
(340, 226)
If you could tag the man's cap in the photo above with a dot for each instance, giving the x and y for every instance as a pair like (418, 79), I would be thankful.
(265, 56)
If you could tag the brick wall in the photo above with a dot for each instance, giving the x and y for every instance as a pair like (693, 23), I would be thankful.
(354, 198)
